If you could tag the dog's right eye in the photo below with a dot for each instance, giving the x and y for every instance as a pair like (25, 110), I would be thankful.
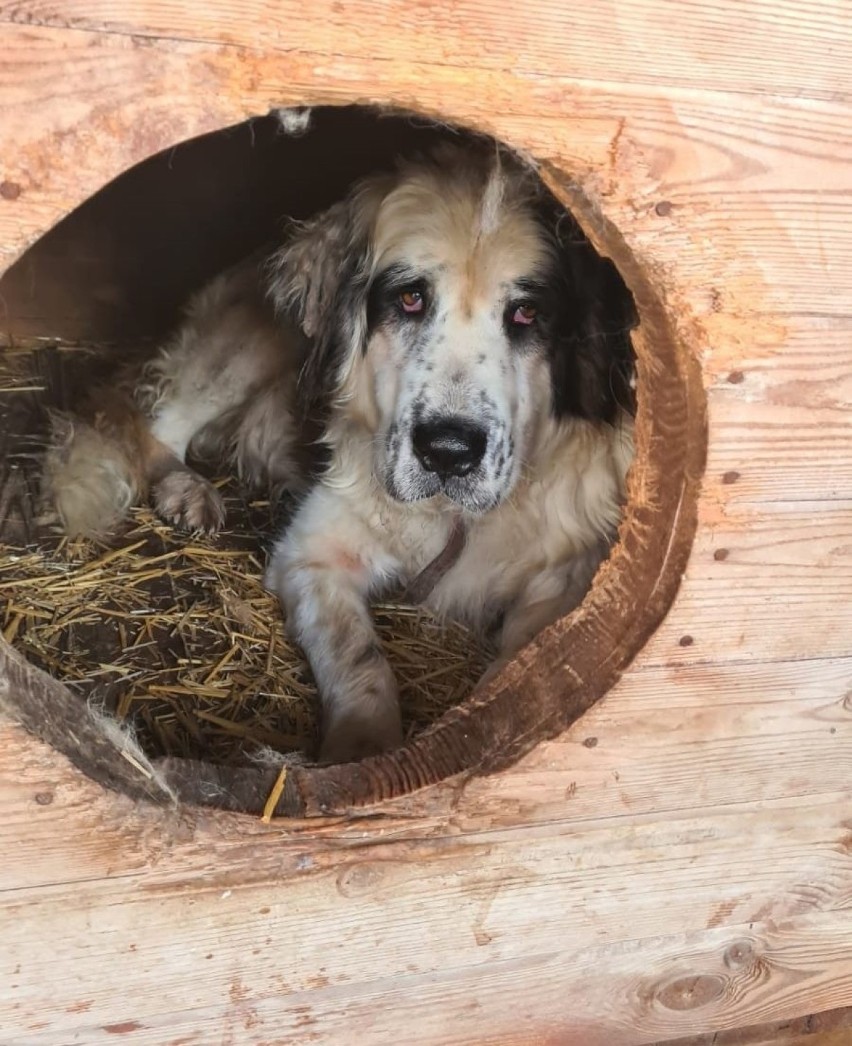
(411, 300)
(524, 315)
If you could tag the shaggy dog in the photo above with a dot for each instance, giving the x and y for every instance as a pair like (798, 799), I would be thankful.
(462, 355)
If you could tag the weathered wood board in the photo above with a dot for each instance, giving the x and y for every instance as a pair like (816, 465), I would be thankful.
(680, 862)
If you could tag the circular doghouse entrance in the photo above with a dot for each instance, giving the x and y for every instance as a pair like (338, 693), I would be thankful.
(123, 269)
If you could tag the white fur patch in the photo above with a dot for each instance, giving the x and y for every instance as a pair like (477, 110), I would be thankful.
(295, 122)
(492, 202)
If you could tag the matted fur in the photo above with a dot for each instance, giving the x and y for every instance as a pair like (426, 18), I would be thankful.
(465, 355)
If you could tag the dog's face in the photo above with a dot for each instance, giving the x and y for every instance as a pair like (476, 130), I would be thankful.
(460, 333)
(455, 350)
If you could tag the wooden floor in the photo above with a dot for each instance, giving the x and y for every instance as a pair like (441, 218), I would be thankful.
(679, 864)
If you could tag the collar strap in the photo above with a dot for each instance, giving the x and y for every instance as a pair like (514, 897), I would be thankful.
(420, 587)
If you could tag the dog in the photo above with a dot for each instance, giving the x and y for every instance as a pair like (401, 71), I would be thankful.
(460, 354)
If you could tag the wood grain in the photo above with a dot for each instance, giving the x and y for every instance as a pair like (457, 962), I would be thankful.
(781, 591)
(677, 864)
(662, 44)
(664, 740)
(829, 1028)
(243, 955)
(708, 146)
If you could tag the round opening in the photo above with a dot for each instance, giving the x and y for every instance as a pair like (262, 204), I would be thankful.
(177, 637)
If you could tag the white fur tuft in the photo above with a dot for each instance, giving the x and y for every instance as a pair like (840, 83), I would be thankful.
(295, 121)
(88, 478)
(492, 202)
(122, 736)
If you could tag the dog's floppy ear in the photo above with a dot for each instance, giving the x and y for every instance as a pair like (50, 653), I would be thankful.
(318, 280)
(592, 355)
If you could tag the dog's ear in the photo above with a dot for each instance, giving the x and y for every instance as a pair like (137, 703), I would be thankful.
(318, 280)
(592, 356)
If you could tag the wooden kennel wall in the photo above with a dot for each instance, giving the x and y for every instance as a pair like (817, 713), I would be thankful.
(679, 862)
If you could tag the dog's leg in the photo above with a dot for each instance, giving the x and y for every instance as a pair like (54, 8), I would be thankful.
(546, 597)
(180, 495)
(193, 397)
(322, 571)
(230, 357)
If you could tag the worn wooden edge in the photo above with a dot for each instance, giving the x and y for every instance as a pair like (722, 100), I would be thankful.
(546, 688)
(53, 713)
(827, 1028)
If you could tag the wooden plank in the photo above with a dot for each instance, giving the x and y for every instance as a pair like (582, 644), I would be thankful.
(781, 428)
(188, 965)
(665, 743)
(680, 861)
(773, 583)
(829, 1028)
(674, 739)
(661, 43)
(231, 1024)
(762, 144)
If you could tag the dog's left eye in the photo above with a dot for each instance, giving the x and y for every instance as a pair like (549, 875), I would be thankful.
(411, 300)
(524, 315)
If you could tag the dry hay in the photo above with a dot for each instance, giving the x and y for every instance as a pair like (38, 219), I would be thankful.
(174, 633)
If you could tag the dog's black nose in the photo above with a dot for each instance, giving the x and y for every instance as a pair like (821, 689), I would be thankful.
(449, 446)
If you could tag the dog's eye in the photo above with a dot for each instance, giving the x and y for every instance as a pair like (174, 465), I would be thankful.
(524, 314)
(411, 300)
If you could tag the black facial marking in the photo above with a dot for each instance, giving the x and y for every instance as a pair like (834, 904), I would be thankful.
(501, 448)
(418, 409)
(585, 317)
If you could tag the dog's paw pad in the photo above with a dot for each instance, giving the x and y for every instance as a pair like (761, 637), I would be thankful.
(188, 501)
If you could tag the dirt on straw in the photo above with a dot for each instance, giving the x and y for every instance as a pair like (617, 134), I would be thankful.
(175, 633)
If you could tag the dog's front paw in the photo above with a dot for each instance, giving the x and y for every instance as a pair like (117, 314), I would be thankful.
(352, 737)
(187, 500)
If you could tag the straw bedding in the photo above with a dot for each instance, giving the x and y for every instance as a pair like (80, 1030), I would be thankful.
(173, 633)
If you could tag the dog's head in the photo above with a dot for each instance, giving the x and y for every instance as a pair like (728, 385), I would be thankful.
(457, 313)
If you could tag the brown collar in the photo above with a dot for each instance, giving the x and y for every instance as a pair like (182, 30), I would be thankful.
(419, 588)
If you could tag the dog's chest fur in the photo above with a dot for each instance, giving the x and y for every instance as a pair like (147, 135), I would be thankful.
(563, 508)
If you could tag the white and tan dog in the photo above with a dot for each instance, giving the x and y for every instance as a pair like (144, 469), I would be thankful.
(464, 355)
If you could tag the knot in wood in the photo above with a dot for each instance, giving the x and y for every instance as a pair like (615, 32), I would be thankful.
(359, 879)
(739, 954)
(691, 993)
